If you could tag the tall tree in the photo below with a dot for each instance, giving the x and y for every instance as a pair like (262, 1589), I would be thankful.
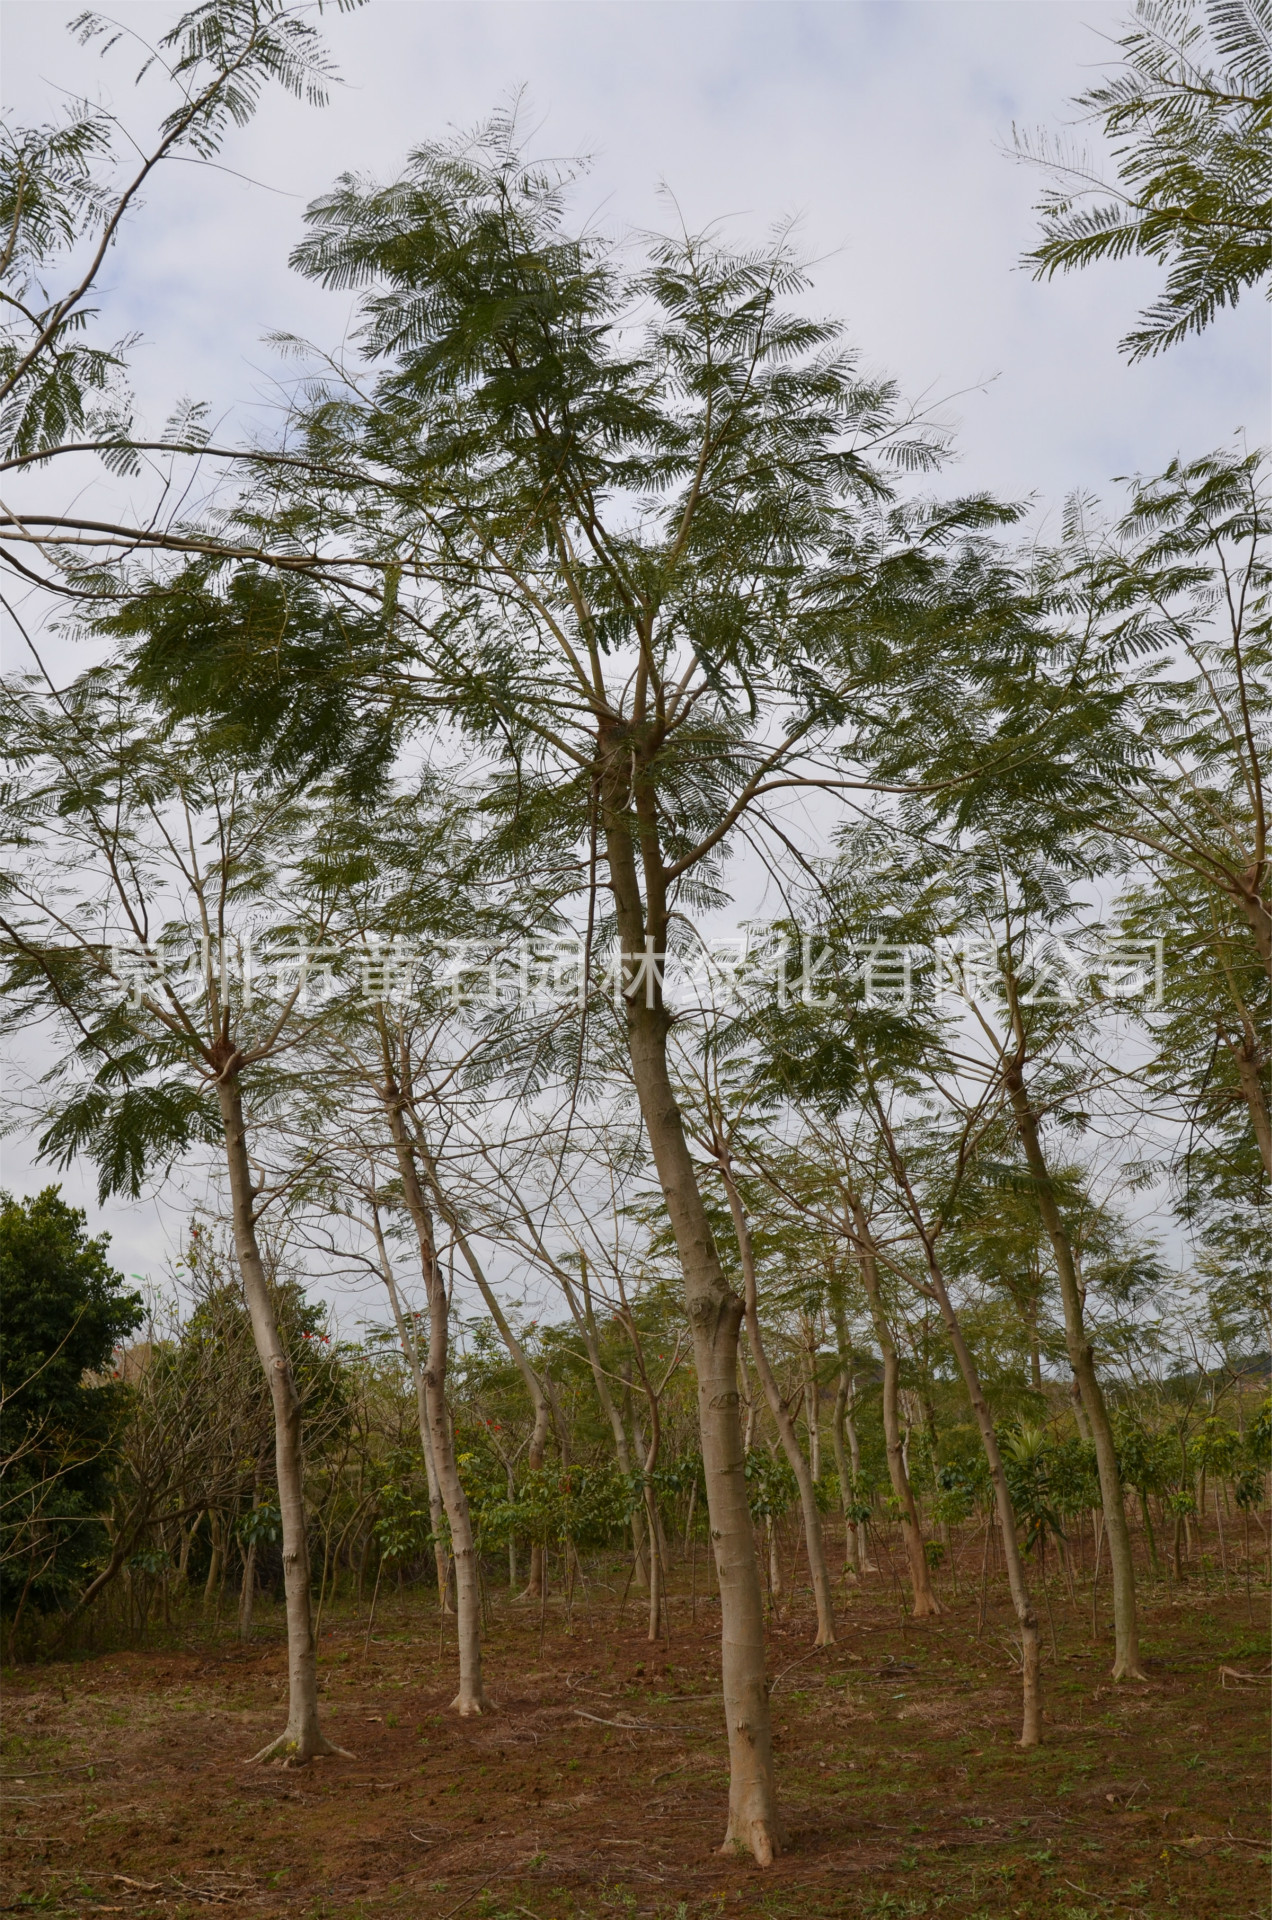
(642, 570)
(139, 855)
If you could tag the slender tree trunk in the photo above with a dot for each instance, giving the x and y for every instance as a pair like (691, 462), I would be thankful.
(534, 1386)
(657, 1602)
(247, 1592)
(214, 1561)
(785, 1425)
(471, 1697)
(1035, 1355)
(777, 1586)
(585, 1320)
(302, 1738)
(859, 1552)
(926, 1603)
(864, 1562)
(1027, 1619)
(410, 1348)
(812, 1405)
(658, 1557)
(1223, 1550)
(1149, 1535)
(537, 1583)
(715, 1316)
(847, 1481)
(1126, 1658)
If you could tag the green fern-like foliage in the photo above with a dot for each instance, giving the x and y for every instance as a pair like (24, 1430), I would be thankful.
(1188, 118)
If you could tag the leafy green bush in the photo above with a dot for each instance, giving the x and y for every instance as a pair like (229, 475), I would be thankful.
(63, 1309)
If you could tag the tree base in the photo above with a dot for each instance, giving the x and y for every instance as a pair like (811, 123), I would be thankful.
(762, 1840)
(294, 1752)
(466, 1707)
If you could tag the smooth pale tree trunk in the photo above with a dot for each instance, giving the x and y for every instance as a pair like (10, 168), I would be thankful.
(410, 1348)
(302, 1738)
(799, 1466)
(471, 1697)
(926, 1604)
(715, 1315)
(1126, 1656)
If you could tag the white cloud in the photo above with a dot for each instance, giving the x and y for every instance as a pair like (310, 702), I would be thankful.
(880, 124)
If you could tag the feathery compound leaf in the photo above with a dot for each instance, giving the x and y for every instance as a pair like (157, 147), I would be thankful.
(1188, 119)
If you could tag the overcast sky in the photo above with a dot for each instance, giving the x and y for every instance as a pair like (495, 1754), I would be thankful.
(881, 126)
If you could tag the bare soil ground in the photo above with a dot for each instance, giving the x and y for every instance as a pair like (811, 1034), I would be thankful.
(598, 1787)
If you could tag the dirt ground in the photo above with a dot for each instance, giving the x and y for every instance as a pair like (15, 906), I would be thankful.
(598, 1786)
